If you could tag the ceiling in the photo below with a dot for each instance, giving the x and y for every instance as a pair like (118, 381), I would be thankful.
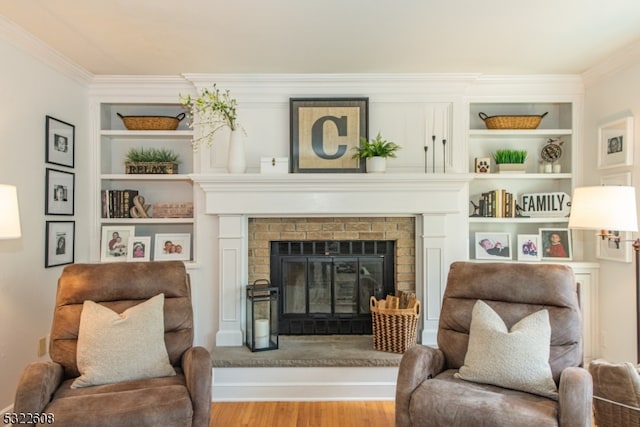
(162, 37)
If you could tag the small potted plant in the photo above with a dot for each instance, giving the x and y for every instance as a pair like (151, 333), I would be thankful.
(211, 111)
(375, 152)
(151, 161)
(510, 161)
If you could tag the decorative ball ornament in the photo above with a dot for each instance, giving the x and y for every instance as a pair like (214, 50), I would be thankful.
(552, 150)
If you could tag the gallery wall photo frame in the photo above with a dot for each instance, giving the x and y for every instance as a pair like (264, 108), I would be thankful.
(114, 244)
(615, 246)
(60, 237)
(60, 141)
(324, 133)
(139, 249)
(615, 143)
(59, 192)
(494, 246)
(175, 246)
(555, 244)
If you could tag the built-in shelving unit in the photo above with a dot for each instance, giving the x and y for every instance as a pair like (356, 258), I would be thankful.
(558, 123)
(115, 141)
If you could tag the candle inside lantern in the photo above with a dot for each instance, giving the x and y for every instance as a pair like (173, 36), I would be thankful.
(261, 333)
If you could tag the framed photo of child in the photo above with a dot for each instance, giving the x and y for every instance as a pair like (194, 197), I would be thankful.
(115, 242)
(495, 246)
(139, 249)
(556, 244)
(172, 247)
(528, 247)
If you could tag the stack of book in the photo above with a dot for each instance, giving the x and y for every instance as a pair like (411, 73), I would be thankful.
(117, 203)
(497, 204)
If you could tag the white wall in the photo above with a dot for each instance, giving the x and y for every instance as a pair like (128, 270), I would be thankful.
(30, 90)
(609, 97)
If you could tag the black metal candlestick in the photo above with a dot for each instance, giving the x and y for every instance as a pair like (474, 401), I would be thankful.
(433, 140)
(444, 156)
(426, 148)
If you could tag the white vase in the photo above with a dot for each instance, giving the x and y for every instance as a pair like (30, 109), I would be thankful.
(236, 159)
(376, 164)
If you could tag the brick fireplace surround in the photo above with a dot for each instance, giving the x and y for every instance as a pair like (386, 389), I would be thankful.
(437, 204)
(400, 229)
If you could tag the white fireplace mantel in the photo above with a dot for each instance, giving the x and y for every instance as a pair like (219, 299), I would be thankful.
(439, 203)
(328, 194)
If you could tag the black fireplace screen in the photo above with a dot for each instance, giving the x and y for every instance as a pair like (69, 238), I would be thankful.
(325, 286)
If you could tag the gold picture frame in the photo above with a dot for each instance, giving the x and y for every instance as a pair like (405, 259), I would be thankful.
(324, 132)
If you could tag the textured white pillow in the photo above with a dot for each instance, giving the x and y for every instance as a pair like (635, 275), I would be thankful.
(516, 359)
(116, 347)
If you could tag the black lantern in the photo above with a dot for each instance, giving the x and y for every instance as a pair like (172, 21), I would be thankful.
(262, 316)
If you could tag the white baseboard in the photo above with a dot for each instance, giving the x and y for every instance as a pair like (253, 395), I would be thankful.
(304, 384)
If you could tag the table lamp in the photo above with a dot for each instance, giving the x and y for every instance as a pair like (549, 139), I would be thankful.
(9, 213)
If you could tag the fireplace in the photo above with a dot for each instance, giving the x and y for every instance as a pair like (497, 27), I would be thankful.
(326, 286)
(438, 203)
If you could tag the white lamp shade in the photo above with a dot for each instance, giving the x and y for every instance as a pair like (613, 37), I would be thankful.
(9, 213)
(604, 208)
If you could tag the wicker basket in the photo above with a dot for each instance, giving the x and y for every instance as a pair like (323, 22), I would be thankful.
(613, 414)
(151, 122)
(394, 330)
(511, 122)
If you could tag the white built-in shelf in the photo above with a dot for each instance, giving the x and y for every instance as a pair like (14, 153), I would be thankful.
(483, 133)
(504, 176)
(146, 220)
(145, 177)
(186, 134)
(518, 220)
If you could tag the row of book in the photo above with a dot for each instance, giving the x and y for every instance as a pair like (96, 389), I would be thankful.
(496, 204)
(117, 203)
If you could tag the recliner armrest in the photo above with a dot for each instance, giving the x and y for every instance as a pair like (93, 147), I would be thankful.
(38, 382)
(575, 397)
(196, 365)
(418, 364)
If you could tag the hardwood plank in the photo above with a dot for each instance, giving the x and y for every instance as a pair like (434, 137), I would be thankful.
(303, 414)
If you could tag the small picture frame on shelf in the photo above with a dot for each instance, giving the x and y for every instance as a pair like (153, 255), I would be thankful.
(494, 246)
(139, 249)
(115, 242)
(175, 246)
(556, 244)
(528, 247)
(615, 246)
(59, 192)
(615, 143)
(60, 142)
(60, 239)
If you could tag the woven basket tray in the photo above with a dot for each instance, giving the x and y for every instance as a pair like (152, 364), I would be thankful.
(394, 330)
(511, 122)
(151, 122)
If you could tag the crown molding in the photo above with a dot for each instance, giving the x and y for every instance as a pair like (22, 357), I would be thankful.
(35, 47)
(623, 58)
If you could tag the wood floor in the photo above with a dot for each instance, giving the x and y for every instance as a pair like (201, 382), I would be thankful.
(303, 414)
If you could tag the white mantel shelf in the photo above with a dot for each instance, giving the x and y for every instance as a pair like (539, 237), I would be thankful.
(332, 193)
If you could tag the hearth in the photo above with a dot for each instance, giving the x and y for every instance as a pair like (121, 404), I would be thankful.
(325, 286)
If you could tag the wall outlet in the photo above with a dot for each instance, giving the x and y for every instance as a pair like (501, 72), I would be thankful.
(42, 346)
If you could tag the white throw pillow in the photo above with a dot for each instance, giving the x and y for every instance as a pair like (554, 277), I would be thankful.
(516, 359)
(116, 347)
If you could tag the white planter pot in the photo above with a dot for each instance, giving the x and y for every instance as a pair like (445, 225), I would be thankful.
(376, 164)
(236, 158)
(511, 168)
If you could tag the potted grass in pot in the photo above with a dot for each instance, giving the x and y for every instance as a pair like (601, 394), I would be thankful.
(510, 161)
(375, 152)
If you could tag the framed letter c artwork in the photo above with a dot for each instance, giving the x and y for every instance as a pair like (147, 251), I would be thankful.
(324, 132)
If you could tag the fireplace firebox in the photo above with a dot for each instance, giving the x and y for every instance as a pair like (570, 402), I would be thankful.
(326, 286)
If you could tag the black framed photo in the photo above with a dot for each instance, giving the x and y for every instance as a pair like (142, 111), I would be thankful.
(60, 243)
(60, 142)
(59, 192)
(324, 132)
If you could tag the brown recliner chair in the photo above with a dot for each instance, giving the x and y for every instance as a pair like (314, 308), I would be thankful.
(428, 393)
(180, 400)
